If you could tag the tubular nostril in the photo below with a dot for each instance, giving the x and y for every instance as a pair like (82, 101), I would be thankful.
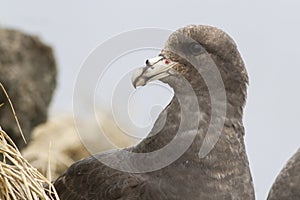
(147, 62)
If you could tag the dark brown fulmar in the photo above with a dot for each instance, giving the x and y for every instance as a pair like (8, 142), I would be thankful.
(287, 183)
(221, 174)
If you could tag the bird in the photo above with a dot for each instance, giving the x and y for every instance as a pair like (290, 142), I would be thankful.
(287, 183)
(221, 172)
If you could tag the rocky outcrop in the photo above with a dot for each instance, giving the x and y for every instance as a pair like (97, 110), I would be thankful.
(28, 72)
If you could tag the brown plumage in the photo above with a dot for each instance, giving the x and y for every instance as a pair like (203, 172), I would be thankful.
(287, 184)
(222, 174)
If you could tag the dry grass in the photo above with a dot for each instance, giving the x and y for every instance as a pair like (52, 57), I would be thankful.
(58, 136)
(18, 179)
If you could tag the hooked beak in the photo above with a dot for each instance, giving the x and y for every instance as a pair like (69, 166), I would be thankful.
(156, 68)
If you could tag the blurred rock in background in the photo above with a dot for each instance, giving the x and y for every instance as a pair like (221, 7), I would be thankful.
(56, 144)
(28, 72)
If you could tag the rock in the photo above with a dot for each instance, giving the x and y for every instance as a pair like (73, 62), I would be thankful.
(28, 72)
(59, 144)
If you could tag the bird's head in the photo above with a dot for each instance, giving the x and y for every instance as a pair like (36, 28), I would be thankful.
(192, 52)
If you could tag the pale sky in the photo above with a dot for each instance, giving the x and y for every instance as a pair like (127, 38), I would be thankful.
(267, 33)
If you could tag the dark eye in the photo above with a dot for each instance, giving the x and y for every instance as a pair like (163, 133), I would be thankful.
(195, 48)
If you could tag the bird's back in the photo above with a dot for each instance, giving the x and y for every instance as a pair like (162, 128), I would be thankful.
(287, 184)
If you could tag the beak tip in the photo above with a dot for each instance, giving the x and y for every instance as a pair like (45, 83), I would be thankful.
(137, 78)
(134, 85)
(138, 82)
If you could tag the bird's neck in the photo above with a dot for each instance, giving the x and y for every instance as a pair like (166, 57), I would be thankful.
(171, 121)
(226, 162)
